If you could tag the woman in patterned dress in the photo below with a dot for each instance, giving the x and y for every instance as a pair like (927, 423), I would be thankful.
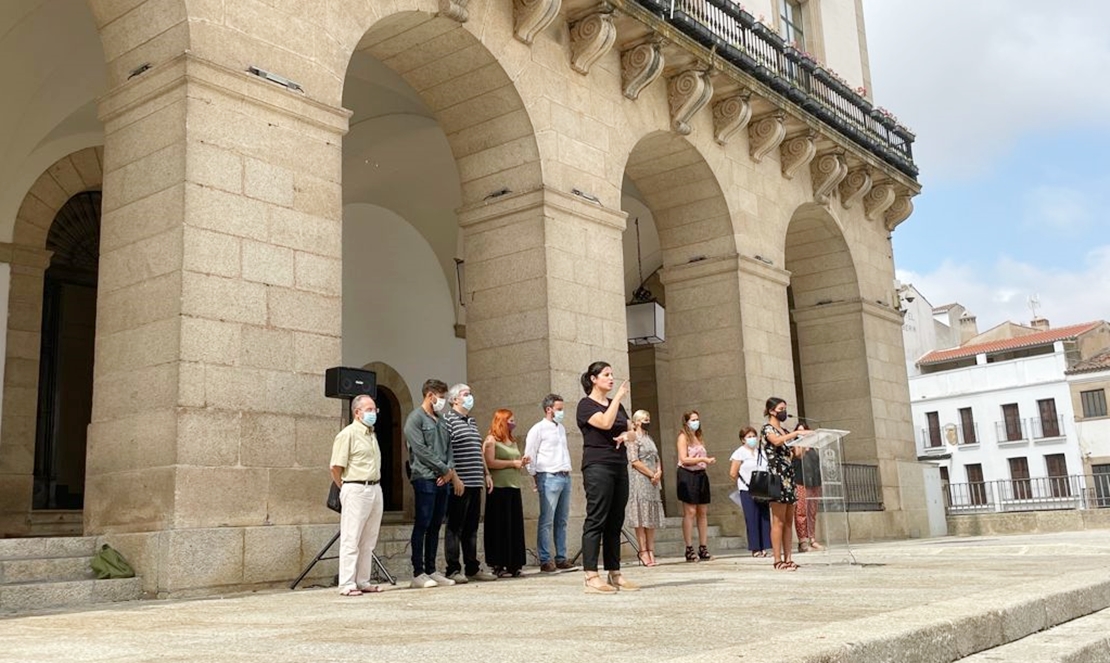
(774, 439)
(645, 506)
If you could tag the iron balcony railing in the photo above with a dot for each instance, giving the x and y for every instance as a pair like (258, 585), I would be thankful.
(1076, 491)
(859, 489)
(935, 438)
(1034, 428)
(737, 37)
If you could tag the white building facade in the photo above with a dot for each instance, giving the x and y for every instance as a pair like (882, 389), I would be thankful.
(999, 418)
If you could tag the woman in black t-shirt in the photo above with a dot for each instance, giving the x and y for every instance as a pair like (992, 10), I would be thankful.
(604, 426)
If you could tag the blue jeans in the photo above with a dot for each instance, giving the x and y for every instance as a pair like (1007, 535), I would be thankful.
(431, 505)
(554, 493)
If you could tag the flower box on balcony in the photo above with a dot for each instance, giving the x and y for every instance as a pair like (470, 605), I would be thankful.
(746, 19)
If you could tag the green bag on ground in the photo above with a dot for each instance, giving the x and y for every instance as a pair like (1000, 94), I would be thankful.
(108, 563)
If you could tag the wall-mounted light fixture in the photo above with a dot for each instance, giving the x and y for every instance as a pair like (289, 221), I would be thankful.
(643, 315)
(276, 78)
(460, 279)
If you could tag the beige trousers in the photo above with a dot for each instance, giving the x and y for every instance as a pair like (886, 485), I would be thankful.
(359, 525)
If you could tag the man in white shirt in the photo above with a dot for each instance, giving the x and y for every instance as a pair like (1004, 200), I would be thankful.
(547, 446)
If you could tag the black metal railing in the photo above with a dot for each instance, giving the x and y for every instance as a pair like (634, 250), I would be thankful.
(736, 37)
(862, 487)
(1076, 491)
(1042, 428)
(935, 438)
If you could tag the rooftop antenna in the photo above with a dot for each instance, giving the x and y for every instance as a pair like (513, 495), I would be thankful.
(1034, 303)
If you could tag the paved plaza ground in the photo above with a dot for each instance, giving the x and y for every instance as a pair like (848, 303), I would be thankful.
(921, 600)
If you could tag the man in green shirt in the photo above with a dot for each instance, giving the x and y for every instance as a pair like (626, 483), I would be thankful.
(432, 466)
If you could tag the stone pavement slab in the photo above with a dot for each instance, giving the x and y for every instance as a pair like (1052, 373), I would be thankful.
(1083, 640)
(921, 600)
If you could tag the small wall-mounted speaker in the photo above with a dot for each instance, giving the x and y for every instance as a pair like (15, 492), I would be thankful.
(342, 382)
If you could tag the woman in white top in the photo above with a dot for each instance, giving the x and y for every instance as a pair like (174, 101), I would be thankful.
(757, 515)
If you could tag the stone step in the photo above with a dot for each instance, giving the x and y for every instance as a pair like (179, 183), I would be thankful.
(45, 569)
(52, 546)
(57, 522)
(35, 596)
(1082, 640)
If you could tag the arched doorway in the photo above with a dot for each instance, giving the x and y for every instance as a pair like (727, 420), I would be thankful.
(67, 352)
(388, 430)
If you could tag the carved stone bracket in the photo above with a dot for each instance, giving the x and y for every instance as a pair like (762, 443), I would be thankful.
(899, 211)
(766, 134)
(591, 37)
(454, 9)
(730, 115)
(640, 66)
(828, 171)
(797, 153)
(854, 187)
(531, 17)
(688, 92)
(878, 200)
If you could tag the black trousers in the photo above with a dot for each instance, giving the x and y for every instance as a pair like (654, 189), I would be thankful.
(463, 514)
(606, 496)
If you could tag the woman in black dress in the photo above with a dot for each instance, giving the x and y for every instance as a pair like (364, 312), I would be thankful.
(780, 462)
(604, 425)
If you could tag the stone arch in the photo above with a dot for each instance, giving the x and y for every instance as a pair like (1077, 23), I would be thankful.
(827, 324)
(701, 364)
(72, 175)
(466, 87)
(389, 378)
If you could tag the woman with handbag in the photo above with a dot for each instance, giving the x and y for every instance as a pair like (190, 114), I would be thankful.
(757, 514)
(693, 486)
(780, 464)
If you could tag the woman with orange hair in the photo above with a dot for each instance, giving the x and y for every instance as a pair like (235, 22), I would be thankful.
(504, 527)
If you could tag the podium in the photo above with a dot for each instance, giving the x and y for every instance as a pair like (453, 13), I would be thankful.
(822, 471)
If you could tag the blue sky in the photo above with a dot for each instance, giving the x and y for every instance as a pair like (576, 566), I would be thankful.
(1010, 104)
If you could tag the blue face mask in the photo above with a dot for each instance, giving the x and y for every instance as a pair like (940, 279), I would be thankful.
(694, 425)
(751, 441)
(370, 418)
(558, 415)
(468, 402)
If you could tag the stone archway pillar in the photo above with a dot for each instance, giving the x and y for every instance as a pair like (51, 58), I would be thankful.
(218, 312)
(544, 298)
(21, 380)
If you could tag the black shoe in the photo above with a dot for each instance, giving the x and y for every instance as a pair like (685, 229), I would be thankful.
(703, 554)
(691, 556)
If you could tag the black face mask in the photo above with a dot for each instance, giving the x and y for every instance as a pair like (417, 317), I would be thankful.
(781, 416)
(645, 425)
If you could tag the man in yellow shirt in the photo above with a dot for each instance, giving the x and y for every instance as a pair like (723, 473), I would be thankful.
(356, 463)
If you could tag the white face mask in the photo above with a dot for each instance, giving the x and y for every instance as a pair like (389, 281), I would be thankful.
(440, 404)
(694, 424)
(557, 416)
(751, 441)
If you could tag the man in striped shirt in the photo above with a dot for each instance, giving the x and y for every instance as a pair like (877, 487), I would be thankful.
(471, 479)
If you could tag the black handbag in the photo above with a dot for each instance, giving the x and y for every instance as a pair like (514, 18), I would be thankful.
(765, 485)
(333, 498)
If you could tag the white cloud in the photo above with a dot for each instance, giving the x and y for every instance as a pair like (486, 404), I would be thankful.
(1000, 291)
(969, 77)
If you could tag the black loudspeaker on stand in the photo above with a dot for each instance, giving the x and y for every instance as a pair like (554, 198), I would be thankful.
(347, 383)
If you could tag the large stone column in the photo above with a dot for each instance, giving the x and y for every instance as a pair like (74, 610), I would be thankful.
(218, 311)
(544, 298)
(21, 382)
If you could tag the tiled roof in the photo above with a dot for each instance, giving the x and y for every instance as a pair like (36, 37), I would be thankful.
(1027, 341)
(1099, 362)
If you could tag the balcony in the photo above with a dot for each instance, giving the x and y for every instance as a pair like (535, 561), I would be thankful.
(733, 35)
(1035, 428)
(934, 439)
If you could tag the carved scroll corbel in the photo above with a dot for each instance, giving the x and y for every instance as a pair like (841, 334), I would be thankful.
(730, 115)
(766, 134)
(531, 17)
(797, 153)
(828, 171)
(854, 187)
(640, 66)
(454, 9)
(878, 200)
(899, 211)
(688, 93)
(591, 37)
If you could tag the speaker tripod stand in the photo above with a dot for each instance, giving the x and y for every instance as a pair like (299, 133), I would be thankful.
(379, 570)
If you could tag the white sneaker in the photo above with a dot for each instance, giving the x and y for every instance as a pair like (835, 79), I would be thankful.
(441, 580)
(459, 578)
(423, 581)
